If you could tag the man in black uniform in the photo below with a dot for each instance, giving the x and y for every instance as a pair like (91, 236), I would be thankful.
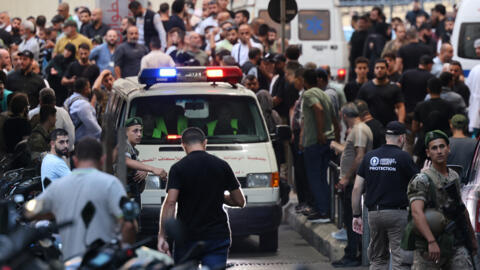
(198, 183)
(385, 173)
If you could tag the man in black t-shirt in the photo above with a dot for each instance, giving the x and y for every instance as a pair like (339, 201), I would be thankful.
(81, 69)
(408, 56)
(459, 86)
(284, 93)
(430, 115)
(361, 70)
(357, 42)
(385, 99)
(198, 183)
(375, 126)
(414, 83)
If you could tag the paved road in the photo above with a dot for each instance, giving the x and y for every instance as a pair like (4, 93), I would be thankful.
(293, 251)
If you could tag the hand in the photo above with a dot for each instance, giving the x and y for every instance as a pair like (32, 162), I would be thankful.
(427, 164)
(434, 251)
(105, 73)
(162, 246)
(357, 225)
(53, 71)
(140, 176)
(160, 172)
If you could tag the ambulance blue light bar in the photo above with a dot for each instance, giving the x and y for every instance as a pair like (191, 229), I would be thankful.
(151, 76)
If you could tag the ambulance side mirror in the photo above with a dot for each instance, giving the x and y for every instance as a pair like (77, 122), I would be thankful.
(283, 132)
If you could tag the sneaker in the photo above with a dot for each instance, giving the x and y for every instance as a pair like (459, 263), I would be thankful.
(318, 218)
(341, 235)
(346, 262)
(307, 211)
(299, 208)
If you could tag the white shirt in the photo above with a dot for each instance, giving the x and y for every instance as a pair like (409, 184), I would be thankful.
(473, 82)
(31, 45)
(210, 21)
(156, 59)
(240, 51)
(63, 121)
(157, 22)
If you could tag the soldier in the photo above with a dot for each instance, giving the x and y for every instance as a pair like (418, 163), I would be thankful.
(436, 247)
(136, 170)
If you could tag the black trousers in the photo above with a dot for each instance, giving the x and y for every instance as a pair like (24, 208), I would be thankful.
(353, 247)
(301, 182)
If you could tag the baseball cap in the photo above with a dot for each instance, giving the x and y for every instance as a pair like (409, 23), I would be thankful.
(133, 121)
(435, 134)
(26, 53)
(279, 58)
(269, 57)
(476, 44)
(395, 128)
(459, 121)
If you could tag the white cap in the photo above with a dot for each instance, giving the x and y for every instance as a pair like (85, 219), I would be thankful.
(476, 43)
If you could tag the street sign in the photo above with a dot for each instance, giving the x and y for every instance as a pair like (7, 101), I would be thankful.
(274, 10)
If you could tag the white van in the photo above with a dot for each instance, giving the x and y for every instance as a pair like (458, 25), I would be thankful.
(317, 29)
(465, 32)
(172, 99)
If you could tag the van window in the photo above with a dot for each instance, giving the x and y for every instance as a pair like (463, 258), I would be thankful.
(314, 25)
(469, 32)
(224, 119)
(264, 15)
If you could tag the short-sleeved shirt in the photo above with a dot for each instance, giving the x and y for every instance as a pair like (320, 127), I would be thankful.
(411, 54)
(381, 100)
(310, 97)
(461, 152)
(53, 167)
(359, 136)
(156, 59)
(287, 93)
(387, 172)
(77, 40)
(351, 90)
(67, 197)
(378, 132)
(91, 32)
(131, 153)
(414, 87)
(128, 56)
(434, 114)
(202, 179)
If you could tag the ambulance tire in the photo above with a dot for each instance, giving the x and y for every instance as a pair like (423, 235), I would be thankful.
(269, 241)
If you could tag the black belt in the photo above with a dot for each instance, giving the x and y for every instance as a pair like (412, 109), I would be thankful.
(381, 207)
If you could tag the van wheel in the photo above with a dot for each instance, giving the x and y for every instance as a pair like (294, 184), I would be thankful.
(269, 241)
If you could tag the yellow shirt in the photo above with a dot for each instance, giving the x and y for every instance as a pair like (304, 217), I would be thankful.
(77, 40)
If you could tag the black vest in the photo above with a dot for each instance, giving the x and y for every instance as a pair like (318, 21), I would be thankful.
(149, 29)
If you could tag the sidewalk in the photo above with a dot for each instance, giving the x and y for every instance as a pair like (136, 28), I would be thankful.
(317, 235)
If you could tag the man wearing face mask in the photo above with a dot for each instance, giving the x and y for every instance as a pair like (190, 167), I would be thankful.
(128, 55)
(96, 28)
(25, 80)
(102, 55)
(82, 112)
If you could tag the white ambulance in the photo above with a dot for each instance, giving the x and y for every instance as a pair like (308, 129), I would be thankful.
(172, 99)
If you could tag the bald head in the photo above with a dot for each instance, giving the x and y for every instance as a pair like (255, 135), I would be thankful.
(111, 37)
(244, 33)
(97, 16)
(132, 34)
(446, 53)
(223, 16)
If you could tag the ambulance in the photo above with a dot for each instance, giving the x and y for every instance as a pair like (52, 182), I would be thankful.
(172, 99)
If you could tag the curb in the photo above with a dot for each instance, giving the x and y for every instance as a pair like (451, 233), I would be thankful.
(317, 235)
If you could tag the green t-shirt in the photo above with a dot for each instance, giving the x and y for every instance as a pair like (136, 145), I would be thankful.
(310, 97)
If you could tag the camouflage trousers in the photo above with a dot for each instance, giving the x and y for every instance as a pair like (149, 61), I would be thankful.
(461, 260)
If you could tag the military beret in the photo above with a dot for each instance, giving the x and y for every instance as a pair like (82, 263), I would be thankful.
(133, 121)
(459, 121)
(435, 134)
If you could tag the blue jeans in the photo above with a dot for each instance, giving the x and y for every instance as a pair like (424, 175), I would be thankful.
(214, 254)
(317, 157)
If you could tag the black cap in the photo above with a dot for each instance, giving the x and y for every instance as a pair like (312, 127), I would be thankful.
(279, 58)
(57, 19)
(395, 128)
(26, 53)
(269, 57)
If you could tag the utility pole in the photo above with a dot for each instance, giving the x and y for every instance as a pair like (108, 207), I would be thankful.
(283, 7)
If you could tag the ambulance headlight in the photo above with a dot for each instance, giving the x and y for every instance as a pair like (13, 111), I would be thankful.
(256, 180)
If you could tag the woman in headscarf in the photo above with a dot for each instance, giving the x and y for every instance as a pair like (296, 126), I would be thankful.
(55, 70)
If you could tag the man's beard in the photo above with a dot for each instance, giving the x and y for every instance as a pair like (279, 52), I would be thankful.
(381, 78)
(15, 30)
(60, 153)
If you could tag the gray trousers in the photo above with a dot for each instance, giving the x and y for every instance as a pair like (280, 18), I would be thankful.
(386, 230)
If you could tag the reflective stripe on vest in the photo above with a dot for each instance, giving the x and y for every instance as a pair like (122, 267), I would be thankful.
(212, 125)
(161, 127)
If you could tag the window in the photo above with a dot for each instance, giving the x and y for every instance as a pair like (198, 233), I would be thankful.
(314, 25)
(224, 119)
(469, 32)
(264, 15)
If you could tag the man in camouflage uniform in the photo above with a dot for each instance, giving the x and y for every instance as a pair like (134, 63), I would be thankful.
(430, 254)
(136, 170)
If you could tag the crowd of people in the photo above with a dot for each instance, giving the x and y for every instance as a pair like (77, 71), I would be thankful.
(403, 84)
